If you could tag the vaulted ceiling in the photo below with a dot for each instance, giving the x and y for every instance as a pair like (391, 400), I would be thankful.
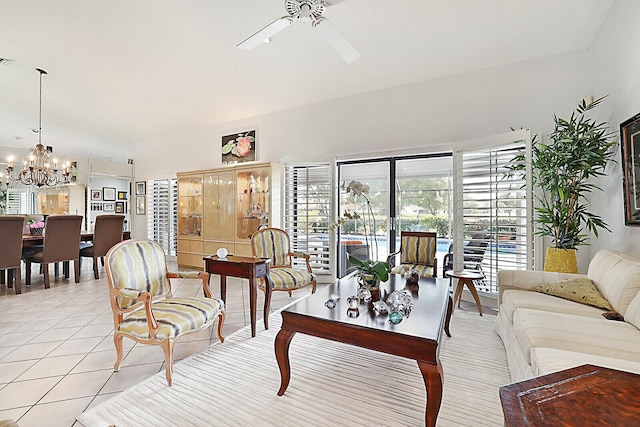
(127, 71)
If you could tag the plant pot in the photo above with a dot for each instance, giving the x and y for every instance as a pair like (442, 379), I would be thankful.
(369, 281)
(561, 260)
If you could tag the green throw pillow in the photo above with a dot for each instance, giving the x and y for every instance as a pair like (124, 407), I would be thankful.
(583, 291)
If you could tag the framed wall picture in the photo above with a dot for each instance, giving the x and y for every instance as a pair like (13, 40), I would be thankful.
(141, 205)
(141, 188)
(119, 207)
(239, 147)
(96, 195)
(630, 147)
(109, 207)
(108, 194)
(122, 195)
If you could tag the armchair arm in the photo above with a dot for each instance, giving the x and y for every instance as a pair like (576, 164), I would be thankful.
(202, 275)
(391, 255)
(302, 255)
(151, 320)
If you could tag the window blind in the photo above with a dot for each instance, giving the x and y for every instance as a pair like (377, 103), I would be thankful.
(497, 203)
(307, 212)
(162, 213)
(17, 201)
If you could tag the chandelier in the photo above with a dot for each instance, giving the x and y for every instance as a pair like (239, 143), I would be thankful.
(39, 168)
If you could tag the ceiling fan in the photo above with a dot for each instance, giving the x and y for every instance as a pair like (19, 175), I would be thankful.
(307, 11)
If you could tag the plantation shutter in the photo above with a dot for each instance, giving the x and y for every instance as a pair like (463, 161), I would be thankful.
(162, 211)
(17, 201)
(490, 199)
(307, 212)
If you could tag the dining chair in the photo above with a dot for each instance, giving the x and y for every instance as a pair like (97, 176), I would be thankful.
(274, 244)
(107, 231)
(61, 244)
(417, 252)
(11, 249)
(144, 309)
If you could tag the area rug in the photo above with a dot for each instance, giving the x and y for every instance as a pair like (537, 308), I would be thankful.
(235, 384)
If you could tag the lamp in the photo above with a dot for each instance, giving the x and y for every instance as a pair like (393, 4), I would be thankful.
(38, 167)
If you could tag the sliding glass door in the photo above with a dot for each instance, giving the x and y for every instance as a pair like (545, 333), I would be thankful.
(410, 193)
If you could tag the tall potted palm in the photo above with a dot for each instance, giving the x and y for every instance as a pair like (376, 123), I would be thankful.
(562, 170)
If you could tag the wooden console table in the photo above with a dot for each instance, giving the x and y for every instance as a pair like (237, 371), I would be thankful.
(247, 268)
(583, 396)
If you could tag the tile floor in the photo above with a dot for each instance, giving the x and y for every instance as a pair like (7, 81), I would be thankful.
(57, 352)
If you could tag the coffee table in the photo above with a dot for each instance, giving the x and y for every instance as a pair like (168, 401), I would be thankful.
(416, 337)
(466, 277)
(586, 395)
(248, 268)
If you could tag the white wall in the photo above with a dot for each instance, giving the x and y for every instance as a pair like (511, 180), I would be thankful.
(616, 70)
(440, 112)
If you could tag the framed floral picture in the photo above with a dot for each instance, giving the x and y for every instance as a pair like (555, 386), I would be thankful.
(141, 205)
(96, 194)
(239, 147)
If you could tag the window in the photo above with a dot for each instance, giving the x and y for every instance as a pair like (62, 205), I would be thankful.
(492, 201)
(307, 212)
(162, 211)
(17, 201)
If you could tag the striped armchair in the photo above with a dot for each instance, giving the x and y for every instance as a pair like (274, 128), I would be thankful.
(417, 251)
(273, 243)
(143, 307)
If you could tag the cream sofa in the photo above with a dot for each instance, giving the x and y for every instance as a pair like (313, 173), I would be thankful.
(543, 333)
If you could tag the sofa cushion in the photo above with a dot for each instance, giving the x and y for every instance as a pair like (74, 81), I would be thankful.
(583, 291)
(535, 328)
(513, 299)
(548, 360)
(617, 276)
(633, 311)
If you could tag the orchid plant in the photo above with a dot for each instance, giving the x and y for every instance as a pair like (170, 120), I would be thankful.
(360, 191)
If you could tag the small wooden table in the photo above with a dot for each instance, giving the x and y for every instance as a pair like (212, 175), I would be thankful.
(466, 277)
(583, 396)
(247, 268)
(416, 337)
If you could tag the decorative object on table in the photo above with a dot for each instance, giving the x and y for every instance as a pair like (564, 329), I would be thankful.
(332, 301)
(109, 207)
(122, 195)
(364, 294)
(563, 170)
(36, 228)
(353, 301)
(239, 147)
(141, 188)
(141, 205)
(412, 277)
(380, 307)
(630, 146)
(96, 195)
(222, 253)
(109, 194)
(353, 312)
(400, 301)
(39, 168)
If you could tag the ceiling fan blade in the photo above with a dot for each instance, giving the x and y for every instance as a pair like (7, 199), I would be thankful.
(332, 2)
(268, 31)
(336, 40)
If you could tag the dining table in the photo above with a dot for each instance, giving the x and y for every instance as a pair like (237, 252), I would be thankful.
(85, 236)
(38, 239)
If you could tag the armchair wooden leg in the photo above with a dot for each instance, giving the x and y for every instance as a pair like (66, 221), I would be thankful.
(117, 340)
(167, 347)
(221, 317)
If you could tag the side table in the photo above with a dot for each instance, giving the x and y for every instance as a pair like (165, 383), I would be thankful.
(583, 396)
(247, 268)
(466, 277)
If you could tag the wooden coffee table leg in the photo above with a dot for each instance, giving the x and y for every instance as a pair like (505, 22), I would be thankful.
(448, 319)
(283, 339)
(433, 379)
